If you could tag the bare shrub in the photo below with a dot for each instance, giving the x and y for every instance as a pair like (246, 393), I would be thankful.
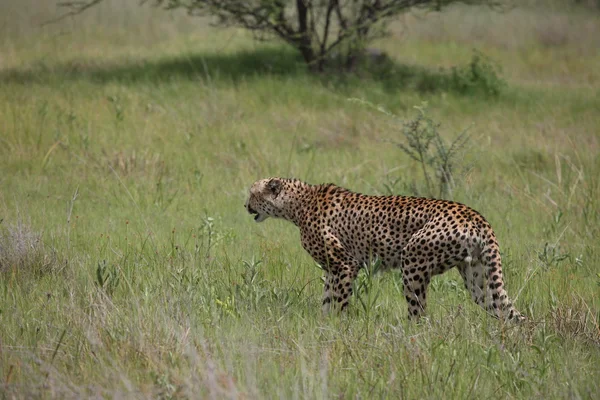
(22, 250)
(315, 29)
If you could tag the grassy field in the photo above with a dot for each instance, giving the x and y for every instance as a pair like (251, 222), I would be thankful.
(129, 268)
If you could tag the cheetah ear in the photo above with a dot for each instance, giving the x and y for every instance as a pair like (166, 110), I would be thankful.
(274, 186)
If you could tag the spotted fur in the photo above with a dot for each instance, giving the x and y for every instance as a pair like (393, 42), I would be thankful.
(343, 231)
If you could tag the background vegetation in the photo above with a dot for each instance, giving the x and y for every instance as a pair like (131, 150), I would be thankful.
(316, 29)
(129, 268)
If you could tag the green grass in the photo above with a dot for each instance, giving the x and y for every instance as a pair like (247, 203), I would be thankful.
(129, 267)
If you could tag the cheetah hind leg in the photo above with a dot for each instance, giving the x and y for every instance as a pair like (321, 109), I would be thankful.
(488, 291)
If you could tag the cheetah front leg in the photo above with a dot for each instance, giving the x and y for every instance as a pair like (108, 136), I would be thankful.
(328, 295)
(341, 269)
(338, 286)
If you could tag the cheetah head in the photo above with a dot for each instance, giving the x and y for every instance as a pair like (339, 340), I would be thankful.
(267, 199)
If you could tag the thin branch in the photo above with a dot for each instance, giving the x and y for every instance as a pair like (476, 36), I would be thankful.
(340, 16)
(330, 7)
(76, 7)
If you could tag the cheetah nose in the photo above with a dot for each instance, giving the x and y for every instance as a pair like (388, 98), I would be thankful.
(251, 210)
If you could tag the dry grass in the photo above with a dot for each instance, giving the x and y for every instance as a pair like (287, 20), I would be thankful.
(575, 319)
(22, 251)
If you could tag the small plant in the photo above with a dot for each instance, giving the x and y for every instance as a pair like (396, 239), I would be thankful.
(390, 183)
(208, 230)
(118, 108)
(365, 291)
(166, 388)
(206, 237)
(436, 158)
(107, 277)
(556, 225)
(251, 271)
(551, 256)
(543, 343)
(445, 286)
(227, 306)
(251, 288)
(479, 75)
(166, 193)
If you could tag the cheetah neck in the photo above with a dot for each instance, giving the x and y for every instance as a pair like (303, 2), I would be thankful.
(300, 198)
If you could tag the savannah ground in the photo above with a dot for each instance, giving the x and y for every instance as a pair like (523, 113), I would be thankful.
(129, 268)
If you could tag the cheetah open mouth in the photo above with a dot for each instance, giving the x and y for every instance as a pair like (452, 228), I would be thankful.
(260, 217)
(257, 217)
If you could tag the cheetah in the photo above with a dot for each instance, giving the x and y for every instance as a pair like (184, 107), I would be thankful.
(344, 231)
